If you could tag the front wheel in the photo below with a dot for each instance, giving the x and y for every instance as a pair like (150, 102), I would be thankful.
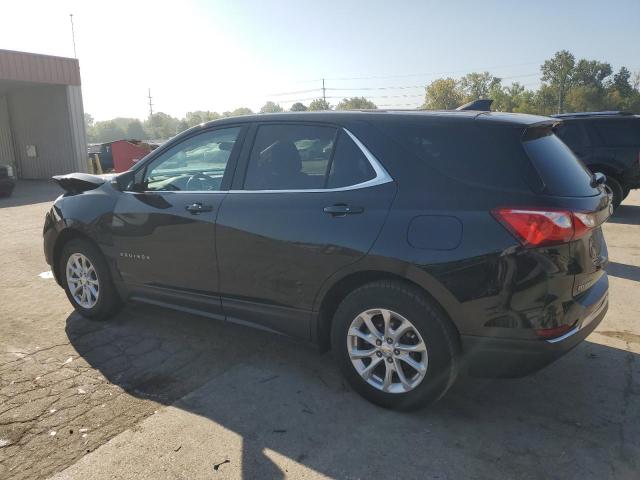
(87, 281)
(394, 345)
(617, 192)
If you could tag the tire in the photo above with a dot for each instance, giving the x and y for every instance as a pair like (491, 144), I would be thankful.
(107, 301)
(625, 192)
(403, 302)
(616, 190)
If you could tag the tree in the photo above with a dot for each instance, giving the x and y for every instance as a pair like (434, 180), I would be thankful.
(199, 116)
(238, 111)
(161, 125)
(591, 73)
(356, 103)
(135, 131)
(621, 82)
(298, 107)
(443, 94)
(319, 104)
(108, 131)
(479, 85)
(271, 107)
(558, 73)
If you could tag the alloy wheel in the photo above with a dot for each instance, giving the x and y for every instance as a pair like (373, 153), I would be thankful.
(82, 280)
(387, 351)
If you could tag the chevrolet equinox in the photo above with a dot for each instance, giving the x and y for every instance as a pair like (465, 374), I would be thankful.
(415, 245)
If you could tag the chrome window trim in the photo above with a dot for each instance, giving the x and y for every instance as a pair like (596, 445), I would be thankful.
(382, 177)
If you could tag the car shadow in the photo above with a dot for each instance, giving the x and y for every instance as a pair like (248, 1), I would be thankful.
(29, 192)
(623, 270)
(626, 214)
(278, 395)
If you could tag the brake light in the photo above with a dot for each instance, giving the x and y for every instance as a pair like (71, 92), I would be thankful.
(535, 228)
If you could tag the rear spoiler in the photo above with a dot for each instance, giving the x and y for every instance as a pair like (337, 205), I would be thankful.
(481, 105)
(79, 182)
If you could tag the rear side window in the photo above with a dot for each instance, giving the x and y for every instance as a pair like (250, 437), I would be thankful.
(573, 134)
(619, 133)
(562, 173)
(290, 157)
(478, 155)
(349, 166)
(305, 157)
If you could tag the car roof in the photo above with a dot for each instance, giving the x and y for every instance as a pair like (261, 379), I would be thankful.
(373, 115)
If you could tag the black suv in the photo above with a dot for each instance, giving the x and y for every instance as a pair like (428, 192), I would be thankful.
(415, 245)
(607, 142)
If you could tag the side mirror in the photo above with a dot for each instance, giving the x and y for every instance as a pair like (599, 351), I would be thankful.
(125, 181)
(598, 179)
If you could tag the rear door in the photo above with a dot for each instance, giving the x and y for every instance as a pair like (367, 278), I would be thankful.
(164, 236)
(312, 200)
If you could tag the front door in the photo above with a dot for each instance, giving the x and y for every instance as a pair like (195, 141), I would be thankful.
(164, 233)
(312, 203)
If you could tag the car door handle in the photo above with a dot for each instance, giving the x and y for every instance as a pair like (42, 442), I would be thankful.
(340, 210)
(196, 208)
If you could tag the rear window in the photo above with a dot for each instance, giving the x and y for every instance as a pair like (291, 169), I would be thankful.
(619, 133)
(562, 173)
(473, 154)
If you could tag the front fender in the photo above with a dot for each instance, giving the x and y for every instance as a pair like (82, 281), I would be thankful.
(87, 215)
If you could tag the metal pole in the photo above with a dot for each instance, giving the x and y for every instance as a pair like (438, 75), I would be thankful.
(73, 36)
(150, 105)
(324, 98)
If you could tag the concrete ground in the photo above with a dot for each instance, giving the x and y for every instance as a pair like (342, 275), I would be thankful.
(156, 394)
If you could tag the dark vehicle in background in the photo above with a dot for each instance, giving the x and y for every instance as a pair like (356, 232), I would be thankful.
(606, 142)
(7, 180)
(415, 245)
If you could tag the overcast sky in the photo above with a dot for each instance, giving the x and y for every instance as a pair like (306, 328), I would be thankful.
(220, 55)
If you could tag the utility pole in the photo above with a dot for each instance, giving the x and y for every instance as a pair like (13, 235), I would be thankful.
(150, 104)
(324, 97)
(73, 36)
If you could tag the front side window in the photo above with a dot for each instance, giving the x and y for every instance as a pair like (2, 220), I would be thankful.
(305, 157)
(195, 164)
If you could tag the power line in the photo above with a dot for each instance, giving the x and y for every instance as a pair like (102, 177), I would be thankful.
(379, 77)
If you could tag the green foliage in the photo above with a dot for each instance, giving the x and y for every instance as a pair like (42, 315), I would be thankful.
(298, 107)
(238, 111)
(196, 118)
(319, 104)
(443, 94)
(478, 85)
(271, 107)
(135, 130)
(356, 103)
(108, 131)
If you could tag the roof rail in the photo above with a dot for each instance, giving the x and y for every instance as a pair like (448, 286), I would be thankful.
(480, 105)
(592, 114)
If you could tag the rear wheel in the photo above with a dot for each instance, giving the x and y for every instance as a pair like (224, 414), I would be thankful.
(625, 192)
(87, 281)
(394, 345)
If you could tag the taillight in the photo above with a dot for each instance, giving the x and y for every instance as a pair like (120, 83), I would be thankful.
(537, 228)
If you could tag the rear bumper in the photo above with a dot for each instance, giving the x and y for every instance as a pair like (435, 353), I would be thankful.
(499, 357)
